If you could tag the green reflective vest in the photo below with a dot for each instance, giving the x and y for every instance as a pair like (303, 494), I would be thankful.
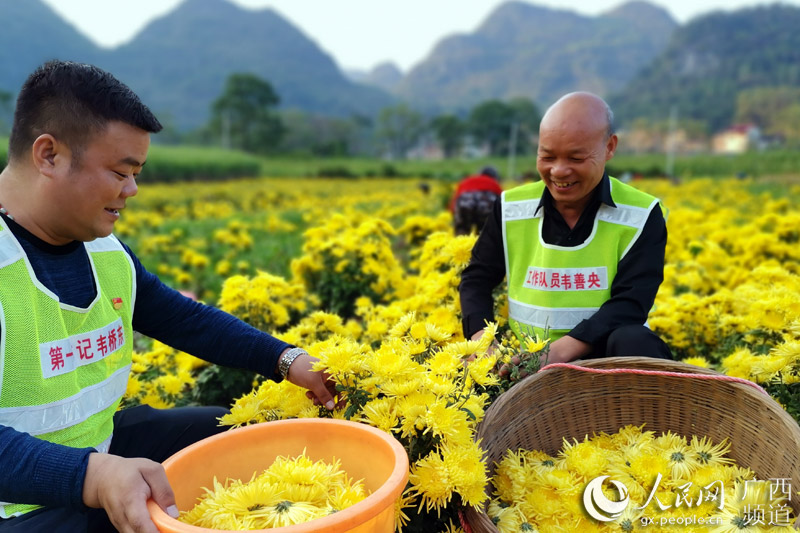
(63, 369)
(553, 288)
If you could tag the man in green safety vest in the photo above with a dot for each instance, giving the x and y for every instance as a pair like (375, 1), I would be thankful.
(71, 296)
(582, 252)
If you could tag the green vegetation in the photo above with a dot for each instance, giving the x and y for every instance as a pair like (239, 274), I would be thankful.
(198, 163)
(775, 109)
(492, 121)
(449, 131)
(187, 163)
(351, 167)
(752, 164)
(244, 115)
(398, 128)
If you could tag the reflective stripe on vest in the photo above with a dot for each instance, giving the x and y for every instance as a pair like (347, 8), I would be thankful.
(64, 369)
(544, 317)
(553, 288)
(40, 419)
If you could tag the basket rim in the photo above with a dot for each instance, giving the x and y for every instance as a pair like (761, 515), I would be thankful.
(632, 363)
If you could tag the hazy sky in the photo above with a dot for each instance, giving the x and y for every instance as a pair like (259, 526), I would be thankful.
(357, 33)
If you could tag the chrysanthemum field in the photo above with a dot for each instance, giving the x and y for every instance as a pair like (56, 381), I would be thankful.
(364, 275)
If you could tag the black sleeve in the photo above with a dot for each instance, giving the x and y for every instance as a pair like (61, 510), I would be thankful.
(35, 471)
(635, 286)
(485, 271)
(201, 330)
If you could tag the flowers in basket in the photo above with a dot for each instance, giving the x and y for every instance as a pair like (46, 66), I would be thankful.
(635, 481)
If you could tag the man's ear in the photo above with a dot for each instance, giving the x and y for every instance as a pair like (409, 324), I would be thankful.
(611, 146)
(48, 153)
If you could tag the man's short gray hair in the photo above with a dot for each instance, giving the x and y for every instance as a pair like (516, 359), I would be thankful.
(610, 120)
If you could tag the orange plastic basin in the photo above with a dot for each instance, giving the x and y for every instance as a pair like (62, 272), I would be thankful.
(365, 453)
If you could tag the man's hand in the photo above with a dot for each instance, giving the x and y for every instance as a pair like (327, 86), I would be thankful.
(563, 350)
(506, 368)
(320, 387)
(122, 487)
(477, 336)
(566, 349)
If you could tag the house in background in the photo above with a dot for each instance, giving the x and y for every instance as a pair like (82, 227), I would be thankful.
(736, 140)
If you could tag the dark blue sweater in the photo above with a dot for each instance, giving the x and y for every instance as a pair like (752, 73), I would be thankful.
(39, 472)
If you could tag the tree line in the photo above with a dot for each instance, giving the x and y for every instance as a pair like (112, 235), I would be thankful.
(246, 117)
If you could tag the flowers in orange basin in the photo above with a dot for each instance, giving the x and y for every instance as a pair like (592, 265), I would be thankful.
(293, 490)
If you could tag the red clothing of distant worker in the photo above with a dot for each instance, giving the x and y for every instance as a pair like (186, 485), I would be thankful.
(472, 203)
(475, 183)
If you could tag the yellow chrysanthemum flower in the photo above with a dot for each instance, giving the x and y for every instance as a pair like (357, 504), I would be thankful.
(584, 458)
(430, 479)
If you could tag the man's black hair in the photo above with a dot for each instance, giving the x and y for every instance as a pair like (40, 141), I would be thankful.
(491, 172)
(73, 102)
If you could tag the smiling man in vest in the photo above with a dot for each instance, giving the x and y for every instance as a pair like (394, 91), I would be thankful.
(71, 296)
(583, 253)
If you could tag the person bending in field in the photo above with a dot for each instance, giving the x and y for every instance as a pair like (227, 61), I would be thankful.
(472, 202)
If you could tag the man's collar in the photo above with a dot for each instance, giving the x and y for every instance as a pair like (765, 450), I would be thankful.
(600, 193)
(21, 233)
(604, 188)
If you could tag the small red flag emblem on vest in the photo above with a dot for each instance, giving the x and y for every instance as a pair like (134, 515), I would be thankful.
(117, 302)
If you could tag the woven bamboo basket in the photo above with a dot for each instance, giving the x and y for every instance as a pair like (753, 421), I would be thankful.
(558, 403)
